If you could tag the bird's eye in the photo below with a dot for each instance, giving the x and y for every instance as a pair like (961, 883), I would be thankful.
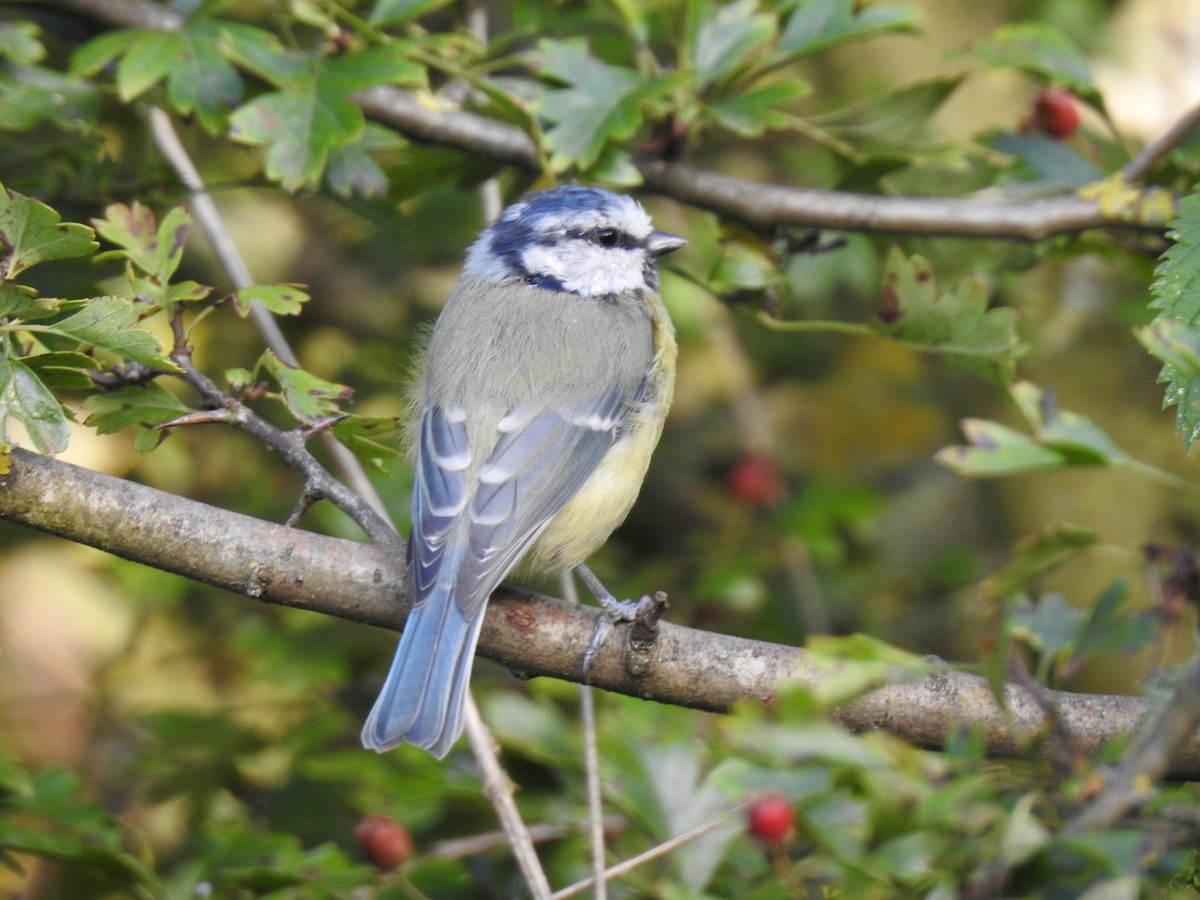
(608, 237)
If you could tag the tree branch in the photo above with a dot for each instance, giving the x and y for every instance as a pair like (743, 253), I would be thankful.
(530, 634)
(754, 204)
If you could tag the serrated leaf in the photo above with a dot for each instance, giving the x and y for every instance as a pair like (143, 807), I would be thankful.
(352, 171)
(306, 396)
(111, 323)
(155, 249)
(144, 406)
(601, 103)
(819, 24)
(202, 80)
(281, 299)
(31, 233)
(725, 36)
(24, 398)
(957, 324)
(299, 126)
(994, 450)
(1176, 291)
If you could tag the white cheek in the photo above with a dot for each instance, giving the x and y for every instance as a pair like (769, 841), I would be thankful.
(583, 268)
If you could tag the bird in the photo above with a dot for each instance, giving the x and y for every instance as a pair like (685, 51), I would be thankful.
(545, 385)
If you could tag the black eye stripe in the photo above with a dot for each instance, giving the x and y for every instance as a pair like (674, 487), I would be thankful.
(604, 237)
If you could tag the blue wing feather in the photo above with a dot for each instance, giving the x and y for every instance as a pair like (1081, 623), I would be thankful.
(466, 538)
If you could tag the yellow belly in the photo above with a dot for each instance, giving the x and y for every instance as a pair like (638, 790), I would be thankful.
(604, 500)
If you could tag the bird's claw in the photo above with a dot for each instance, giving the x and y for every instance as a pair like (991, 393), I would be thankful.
(614, 611)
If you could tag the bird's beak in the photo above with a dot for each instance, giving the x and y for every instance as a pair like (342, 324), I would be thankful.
(660, 243)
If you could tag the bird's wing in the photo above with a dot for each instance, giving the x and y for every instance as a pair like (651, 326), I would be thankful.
(488, 515)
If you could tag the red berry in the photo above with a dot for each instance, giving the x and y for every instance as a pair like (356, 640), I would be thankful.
(1056, 112)
(385, 842)
(755, 480)
(771, 818)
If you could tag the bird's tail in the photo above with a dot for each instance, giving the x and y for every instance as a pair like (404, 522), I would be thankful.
(422, 699)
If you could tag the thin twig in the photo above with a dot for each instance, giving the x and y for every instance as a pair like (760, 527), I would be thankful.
(1148, 759)
(498, 787)
(362, 504)
(230, 258)
(591, 764)
(652, 854)
(1150, 155)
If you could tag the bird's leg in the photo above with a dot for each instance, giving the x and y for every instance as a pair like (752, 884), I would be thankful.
(614, 611)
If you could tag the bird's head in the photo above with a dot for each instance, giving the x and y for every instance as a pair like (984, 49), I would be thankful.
(579, 240)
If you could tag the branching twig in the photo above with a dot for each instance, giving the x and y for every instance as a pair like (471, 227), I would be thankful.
(1148, 759)
(1154, 152)
(528, 633)
(498, 787)
(760, 206)
(653, 853)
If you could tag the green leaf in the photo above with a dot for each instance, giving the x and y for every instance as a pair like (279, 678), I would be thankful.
(21, 42)
(995, 450)
(32, 95)
(1044, 163)
(1176, 291)
(144, 406)
(602, 103)
(300, 126)
(726, 36)
(155, 249)
(201, 79)
(893, 117)
(1110, 627)
(370, 438)
(1038, 555)
(306, 396)
(63, 370)
(31, 233)
(1075, 437)
(392, 12)
(25, 398)
(146, 61)
(1049, 626)
(111, 323)
(281, 299)
(1175, 343)
(352, 171)
(20, 302)
(750, 113)
(956, 324)
(819, 24)
(1042, 51)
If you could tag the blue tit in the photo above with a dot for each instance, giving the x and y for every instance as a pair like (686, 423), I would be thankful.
(546, 382)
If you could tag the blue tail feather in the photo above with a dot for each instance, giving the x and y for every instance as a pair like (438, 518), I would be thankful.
(422, 698)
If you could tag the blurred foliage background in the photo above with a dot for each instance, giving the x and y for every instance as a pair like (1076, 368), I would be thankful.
(795, 492)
